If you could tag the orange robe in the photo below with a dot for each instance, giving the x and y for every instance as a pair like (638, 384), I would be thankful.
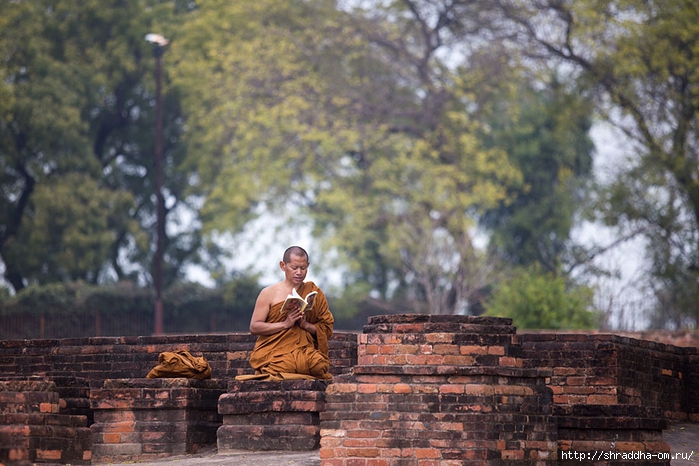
(295, 353)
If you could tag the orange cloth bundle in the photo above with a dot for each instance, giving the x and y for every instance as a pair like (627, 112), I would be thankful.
(180, 364)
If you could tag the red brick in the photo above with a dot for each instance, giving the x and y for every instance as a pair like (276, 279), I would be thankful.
(453, 360)
(508, 361)
(359, 442)
(479, 389)
(473, 349)
(365, 360)
(512, 455)
(377, 462)
(422, 453)
(397, 359)
(111, 438)
(48, 454)
(354, 462)
(602, 399)
(575, 380)
(48, 408)
(407, 349)
(366, 388)
(496, 350)
(449, 388)
(446, 349)
(402, 388)
(363, 434)
(327, 453)
(439, 337)
(415, 360)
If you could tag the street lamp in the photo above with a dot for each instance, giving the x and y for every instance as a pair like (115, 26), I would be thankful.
(159, 43)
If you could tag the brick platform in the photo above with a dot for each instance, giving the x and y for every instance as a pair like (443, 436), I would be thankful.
(613, 394)
(433, 390)
(609, 370)
(142, 419)
(615, 434)
(32, 430)
(271, 415)
(418, 390)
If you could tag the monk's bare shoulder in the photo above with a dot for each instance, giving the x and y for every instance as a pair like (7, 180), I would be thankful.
(273, 294)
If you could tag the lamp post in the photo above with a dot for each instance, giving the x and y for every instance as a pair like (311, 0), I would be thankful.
(159, 43)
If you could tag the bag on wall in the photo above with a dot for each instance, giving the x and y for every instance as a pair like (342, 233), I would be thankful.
(180, 364)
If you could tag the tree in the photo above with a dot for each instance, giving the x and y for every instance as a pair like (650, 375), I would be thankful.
(69, 231)
(640, 57)
(546, 135)
(76, 125)
(356, 121)
(537, 299)
(41, 116)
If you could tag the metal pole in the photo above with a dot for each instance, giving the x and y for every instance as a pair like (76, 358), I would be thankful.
(159, 193)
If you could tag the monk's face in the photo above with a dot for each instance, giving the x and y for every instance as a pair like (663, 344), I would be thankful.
(295, 270)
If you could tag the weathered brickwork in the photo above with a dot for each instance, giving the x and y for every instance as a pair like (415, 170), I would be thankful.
(692, 378)
(615, 429)
(153, 418)
(150, 418)
(271, 415)
(73, 363)
(429, 390)
(102, 358)
(613, 393)
(609, 369)
(410, 390)
(33, 431)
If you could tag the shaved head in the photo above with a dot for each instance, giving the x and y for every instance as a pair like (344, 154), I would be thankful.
(295, 251)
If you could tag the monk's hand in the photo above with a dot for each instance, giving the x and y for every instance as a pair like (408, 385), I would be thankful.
(302, 322)
(306, 325)
(292, 317)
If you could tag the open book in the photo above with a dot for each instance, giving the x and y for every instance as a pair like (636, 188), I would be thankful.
(294, 300)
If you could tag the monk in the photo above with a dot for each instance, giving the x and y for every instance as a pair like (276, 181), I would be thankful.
(293, 345)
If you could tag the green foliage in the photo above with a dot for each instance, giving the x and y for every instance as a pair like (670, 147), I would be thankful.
(546, 135)
(344, 123)
(360, 121)
(641, 60)
(241, 291)
(350, 301)
(77, 309)
(70, 230)
(76, 142)
(542, 300)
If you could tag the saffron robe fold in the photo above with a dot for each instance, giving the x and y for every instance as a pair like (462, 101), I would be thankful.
(295, 353)
(180, 364)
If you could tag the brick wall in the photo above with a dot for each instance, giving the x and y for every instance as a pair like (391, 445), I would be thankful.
(33, 431)
(433, 390)
(271, 415)
(610, 369)
(73, 363)
(146, 419)
(408, 390)
(86, 373)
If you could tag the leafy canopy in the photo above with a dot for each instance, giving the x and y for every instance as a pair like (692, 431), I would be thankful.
(536, 299)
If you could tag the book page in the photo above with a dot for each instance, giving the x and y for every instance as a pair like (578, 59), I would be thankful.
(292, 302)
(310, 298)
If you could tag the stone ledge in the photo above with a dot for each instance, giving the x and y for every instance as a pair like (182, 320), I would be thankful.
(31, 428)
(141, 419)
(271, 415)
(446, 370)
